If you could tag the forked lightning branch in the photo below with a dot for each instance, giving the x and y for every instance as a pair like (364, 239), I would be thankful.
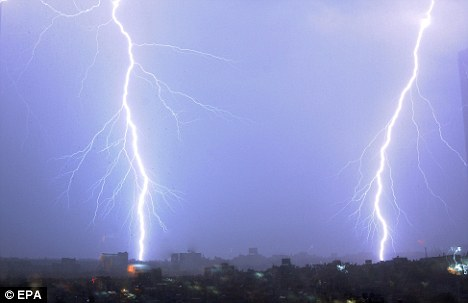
(127, 147)
(381, 179)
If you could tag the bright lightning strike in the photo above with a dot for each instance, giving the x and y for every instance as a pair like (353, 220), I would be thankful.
(122, 147)
(388, 135)
(144, 182)
(374, 188)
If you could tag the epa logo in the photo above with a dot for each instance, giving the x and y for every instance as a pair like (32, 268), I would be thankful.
(9, 294)
(24, 294)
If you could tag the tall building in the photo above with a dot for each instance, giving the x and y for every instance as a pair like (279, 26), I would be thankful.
(113, 264)
(463, 67)
(253, 251)
(188, 263)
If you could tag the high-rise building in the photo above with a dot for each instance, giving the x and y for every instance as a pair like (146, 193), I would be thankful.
(253, 251)
(188, 263)
(463, 67)
(113, 264)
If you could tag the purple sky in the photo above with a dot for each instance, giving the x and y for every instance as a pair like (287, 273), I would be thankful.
(310, 84)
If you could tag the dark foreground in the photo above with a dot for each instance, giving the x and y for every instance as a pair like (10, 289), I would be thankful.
(399, 280)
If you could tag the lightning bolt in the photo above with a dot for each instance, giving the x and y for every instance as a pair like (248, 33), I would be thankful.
(425, 22)
(122, 147)
(145, 180)
(364, 189)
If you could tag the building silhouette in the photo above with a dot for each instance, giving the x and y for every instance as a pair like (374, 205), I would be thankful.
(68, 267)
(253, 251)
(188, 263)
(113, 264)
